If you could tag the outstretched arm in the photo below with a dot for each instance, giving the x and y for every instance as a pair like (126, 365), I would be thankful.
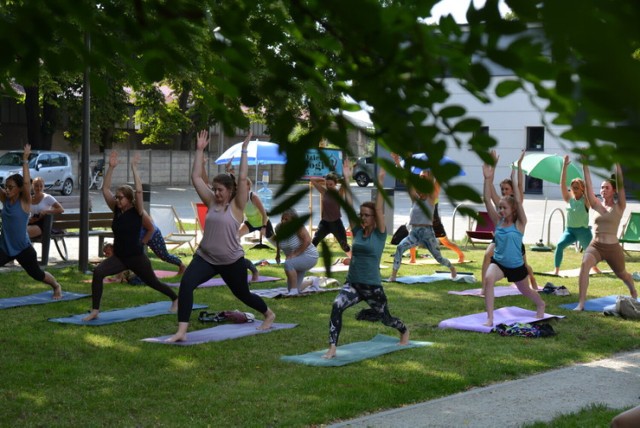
(520, 179)
(240, 201)
(593, 201)
(201, 186)
(489, 172)
(493, 196)
(380, 201)
(563, 179)
(622, 196)
(25, 195)
(517, 194)
(106, 188)
(137, 183)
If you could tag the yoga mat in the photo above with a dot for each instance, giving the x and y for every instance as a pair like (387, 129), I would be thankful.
(507, 315)
(336, 268)
(39, 299)
(159, 274)
(217, 281)
(121, 315)
(424, 279)
(499, 291)
(282, 292)
(594, 305)
(571, 273)
(353, 352)
(430, 261)
(220, 333)
(266, 262)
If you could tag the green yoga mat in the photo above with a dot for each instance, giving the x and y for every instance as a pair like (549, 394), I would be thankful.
(353, 352)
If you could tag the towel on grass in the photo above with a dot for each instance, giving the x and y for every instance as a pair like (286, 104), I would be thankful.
(39, 299)
(499, 291)
(219, 333)
(594, 305)
(121, 315)
(507, 315)
(353, 352)
(438, 276)
(571, 273)
(217, 281)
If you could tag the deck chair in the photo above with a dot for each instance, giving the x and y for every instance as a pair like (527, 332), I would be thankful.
(167, 220)
(200, 211)
(631, 232)
(483, 230)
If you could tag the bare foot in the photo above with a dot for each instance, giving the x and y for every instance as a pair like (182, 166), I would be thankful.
(174, 306)
(540, 310)
(178, 337)
(255, 277)
(596, 269)
(454, 272)
(404, 338)
(461, 260)
(579, 308)
(269, 318)
(331, 353)
(92, 315)
(392, 278)
(489, 322)
(181, 269)
(57, 292)
(557, 271)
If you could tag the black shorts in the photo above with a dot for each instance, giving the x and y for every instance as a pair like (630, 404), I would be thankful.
(512, 274)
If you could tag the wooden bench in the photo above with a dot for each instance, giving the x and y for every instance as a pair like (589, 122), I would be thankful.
(71, 202)
(67, 225)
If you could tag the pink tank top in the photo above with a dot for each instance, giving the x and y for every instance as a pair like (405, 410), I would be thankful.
(220, 243)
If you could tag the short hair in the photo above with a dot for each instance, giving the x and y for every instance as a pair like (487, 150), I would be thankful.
(128, 192)
(332, 176)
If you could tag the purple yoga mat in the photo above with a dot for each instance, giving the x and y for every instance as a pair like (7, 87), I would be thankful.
(217, 281)
(500, 291)
(508, 315)
(219, 333)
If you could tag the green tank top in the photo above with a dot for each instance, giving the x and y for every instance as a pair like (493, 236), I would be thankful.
(577, 214)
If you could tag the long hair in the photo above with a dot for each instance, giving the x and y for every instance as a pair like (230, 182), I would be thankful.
(228, 181)
(127, 192)
(17, 179)
(513, 203)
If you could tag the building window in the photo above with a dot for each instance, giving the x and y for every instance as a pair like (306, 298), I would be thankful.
(535, 138)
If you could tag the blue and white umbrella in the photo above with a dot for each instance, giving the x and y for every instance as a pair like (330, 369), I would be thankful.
(443, 161)
(258, 153)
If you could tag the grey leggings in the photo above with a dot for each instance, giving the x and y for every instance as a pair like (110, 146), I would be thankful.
(140, 265)
(354, 293)
(420, 236)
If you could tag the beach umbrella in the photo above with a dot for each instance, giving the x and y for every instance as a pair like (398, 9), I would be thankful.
(258, 153)
(445, 160)
(547, 167)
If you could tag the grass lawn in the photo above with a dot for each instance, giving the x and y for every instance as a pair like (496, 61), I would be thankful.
(66, 375)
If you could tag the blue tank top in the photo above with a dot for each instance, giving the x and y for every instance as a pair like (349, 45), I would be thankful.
(14, 238)
(508, 250)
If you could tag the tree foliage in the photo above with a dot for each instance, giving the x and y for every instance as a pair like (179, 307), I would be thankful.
(294, 60)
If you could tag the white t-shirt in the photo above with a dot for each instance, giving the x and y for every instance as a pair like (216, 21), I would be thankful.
(45, 203)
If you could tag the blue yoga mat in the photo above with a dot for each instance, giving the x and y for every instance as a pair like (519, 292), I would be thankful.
(39, 299)
(121, 315)
(594, 305)
(353, 352)
(220, 333)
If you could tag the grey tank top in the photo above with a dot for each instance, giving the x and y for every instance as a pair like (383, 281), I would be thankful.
(417, 215)
(220, 243)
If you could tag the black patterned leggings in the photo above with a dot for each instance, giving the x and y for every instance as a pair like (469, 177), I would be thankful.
(352, 294)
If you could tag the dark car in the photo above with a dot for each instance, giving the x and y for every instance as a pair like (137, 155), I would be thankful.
(364, 170)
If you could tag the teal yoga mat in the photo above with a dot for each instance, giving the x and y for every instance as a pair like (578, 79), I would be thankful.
(39, 299)
(121, 315)
(354, 352)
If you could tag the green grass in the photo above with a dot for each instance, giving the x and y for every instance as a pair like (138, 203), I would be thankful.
(64, 375)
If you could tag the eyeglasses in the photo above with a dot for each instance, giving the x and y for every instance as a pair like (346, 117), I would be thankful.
(365, 215)
(118, 197)
(10, 187)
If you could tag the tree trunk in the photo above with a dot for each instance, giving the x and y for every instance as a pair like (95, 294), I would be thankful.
(32, 111)
(49, 124)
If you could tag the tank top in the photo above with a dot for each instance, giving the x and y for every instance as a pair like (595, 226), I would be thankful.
(508, 250)
(220, 243)
(330, 206)
(126, 228)
(577, 213)
(418, 216)
(292, 243)
(366, 253)
(251, 212)
(14, 238)
(609, 222)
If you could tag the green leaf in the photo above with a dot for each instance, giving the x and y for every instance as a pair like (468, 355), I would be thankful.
(507, 87)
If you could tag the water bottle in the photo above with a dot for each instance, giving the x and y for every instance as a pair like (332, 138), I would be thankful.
(265, 193)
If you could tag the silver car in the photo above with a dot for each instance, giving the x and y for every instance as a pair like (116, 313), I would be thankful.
(364, 170)
(54, 167)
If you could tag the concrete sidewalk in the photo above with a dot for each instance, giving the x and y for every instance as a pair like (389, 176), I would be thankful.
(614, 382)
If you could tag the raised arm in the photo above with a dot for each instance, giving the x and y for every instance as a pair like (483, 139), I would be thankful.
(318, 183)
(241, 197)
(622, 196)
(563, 179)
(517, 194)
(382, 227)
(493, 196)
(137, 183)
(106, 188)
(489, 172)
(588, 184)
(25, 196)
(520, 179)
(201, 186)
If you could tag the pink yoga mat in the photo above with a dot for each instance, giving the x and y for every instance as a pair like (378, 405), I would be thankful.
(221, 332)
(508, 315)
(217, 281)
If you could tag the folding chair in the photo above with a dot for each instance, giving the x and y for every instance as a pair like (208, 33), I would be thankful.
(200, 211)
(483, 230)
(631, 232)
(167, 220)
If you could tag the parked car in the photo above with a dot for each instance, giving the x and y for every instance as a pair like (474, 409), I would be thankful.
(54, 167)
(364, 171)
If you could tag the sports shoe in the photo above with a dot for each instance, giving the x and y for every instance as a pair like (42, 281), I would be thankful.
(562, 291)
(549, 288)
